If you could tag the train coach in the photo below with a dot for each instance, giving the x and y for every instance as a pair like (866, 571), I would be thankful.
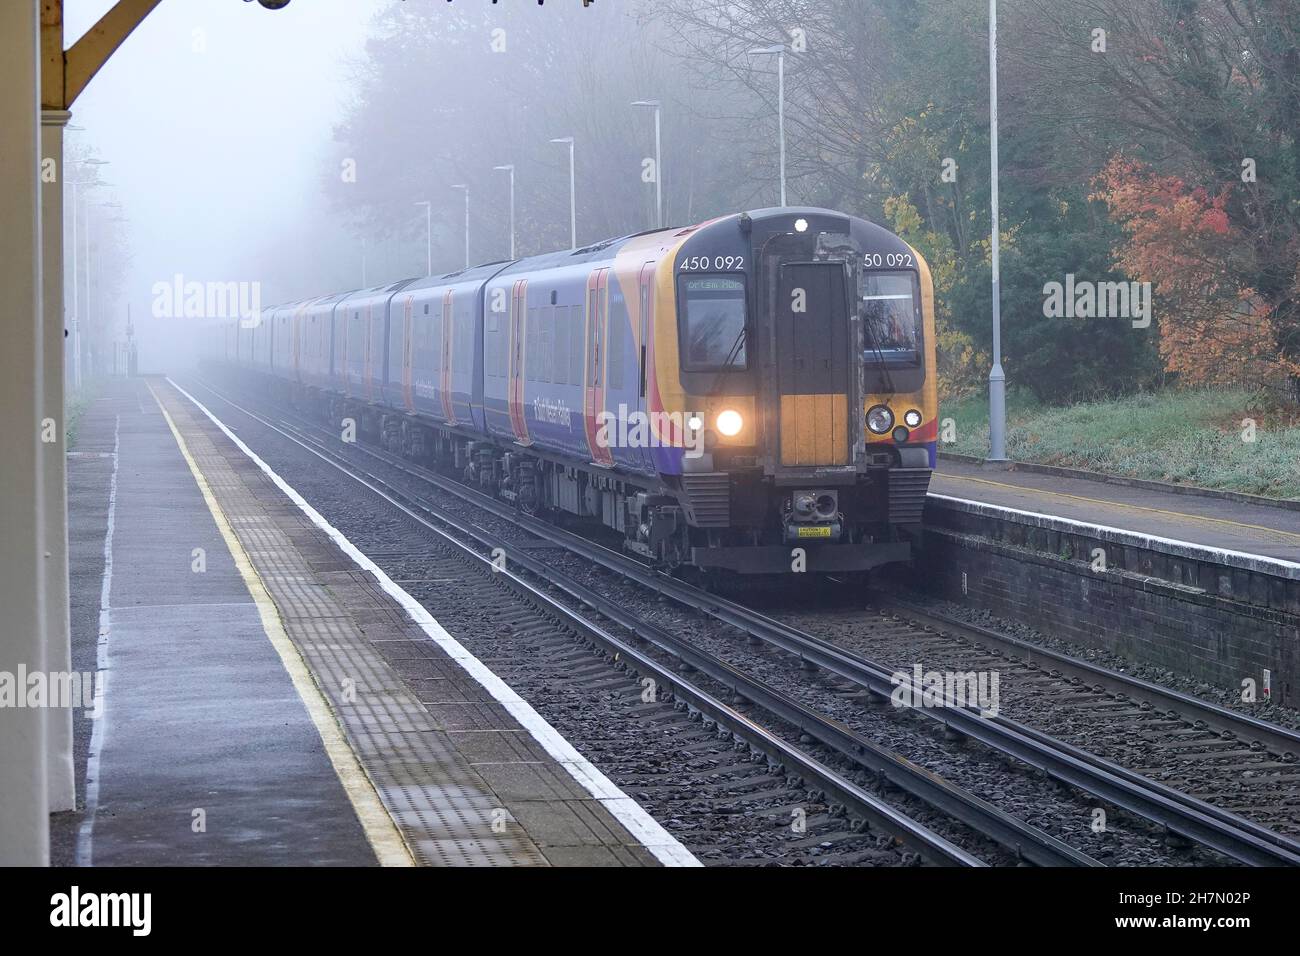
(755, 394)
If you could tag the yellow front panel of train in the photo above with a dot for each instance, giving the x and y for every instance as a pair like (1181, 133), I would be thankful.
(814, 430)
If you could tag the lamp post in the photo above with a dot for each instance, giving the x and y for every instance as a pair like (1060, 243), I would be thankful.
(509, 167)
(778, 50)
(465, 188)
(75, 335)
(659, 196)
(997, 378)
(428, 235)
(573, 195)
(89, 269)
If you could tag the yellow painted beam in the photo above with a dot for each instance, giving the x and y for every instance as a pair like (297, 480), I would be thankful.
(92, 51)
(52, 64)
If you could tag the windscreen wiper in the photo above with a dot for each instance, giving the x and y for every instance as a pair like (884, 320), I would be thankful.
(731, 360)
(886, 378)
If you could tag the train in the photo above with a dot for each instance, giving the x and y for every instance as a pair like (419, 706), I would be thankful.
(755, 394)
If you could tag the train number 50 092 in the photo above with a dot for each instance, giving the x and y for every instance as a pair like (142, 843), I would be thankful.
(893, 260)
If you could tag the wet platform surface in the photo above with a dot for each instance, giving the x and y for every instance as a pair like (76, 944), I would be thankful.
(265, 714)
(204, 753)
(1201, 520)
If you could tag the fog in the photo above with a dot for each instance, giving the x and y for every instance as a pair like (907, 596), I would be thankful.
(215, 117)
(287, 150)
(290, 150)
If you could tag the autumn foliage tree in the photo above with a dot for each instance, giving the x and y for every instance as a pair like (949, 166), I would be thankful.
(1179, 237)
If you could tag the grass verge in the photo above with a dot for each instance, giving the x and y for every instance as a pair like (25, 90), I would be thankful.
(1193, 437)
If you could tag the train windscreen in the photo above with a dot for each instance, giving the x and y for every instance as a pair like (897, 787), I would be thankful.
(890, 306)
(713, 323)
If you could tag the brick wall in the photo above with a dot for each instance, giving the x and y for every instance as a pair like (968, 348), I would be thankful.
(1220, 619)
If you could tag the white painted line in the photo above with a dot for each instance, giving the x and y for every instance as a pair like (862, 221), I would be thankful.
(647, 831)
(1255, 561)
(85, 855)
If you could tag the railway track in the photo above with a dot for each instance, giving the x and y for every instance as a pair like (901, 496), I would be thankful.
(752, 772)
(1232, 760)
(1177, 813)
(724, 781)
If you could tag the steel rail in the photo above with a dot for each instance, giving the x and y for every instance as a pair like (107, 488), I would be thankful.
(916, 836)
(1214, 716)
(1179, 813)
(1028, 842)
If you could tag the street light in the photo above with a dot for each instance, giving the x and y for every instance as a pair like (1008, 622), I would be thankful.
(509, 167)
(428, 235)
(997, 378)
(659, 196)
(778, 50)
(573, 195)
(90, 266)
(466, 189)
(76, 304)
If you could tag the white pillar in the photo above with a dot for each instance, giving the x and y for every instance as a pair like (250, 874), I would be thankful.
(24, 822)
(58, 643)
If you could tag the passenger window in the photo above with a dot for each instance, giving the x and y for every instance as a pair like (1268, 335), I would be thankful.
(618, 323)
(576, 350)
(546, 339)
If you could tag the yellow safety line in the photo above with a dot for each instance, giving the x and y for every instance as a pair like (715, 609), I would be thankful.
(1119, 504)
(381, 832)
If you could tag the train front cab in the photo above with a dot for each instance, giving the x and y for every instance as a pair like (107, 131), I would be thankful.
(792, 327)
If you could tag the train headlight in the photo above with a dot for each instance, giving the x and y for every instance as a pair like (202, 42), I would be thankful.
(912, 419)
(730, 423)
(695, 423)
(880, 420)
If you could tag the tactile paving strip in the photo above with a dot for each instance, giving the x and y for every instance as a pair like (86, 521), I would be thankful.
(447, 813)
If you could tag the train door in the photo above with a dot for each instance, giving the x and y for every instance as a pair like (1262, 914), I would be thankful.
(593, 387)
(368, 369)
(812, 363)
(324, 363)
(644, 455)
(267, 345)
(515, 363)
(308, 346)
(448, 340)
(408, 334)
(350, 346)
(335, 344)
(294, 345)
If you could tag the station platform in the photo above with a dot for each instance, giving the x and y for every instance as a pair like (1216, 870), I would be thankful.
(1206, 521)
(265, 701)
